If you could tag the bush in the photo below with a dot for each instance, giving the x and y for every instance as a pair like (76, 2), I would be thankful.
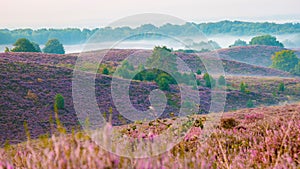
(105, 71)
(59, 101)
(198, 72)
(54, 46)
(229, 123)
(243, 87)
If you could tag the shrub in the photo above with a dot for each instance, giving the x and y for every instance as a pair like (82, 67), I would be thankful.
(250, 104)
(221, 81)
(105, 71)
(59, 101)
(243, 87)
(229, 123)
(199, 72)
(281, 87)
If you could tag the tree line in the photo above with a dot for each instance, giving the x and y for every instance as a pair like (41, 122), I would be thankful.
(76, 36)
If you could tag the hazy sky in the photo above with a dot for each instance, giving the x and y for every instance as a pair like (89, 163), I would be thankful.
(99, 13)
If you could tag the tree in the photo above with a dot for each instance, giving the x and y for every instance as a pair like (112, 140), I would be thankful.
(163, 58)
(285, 60)
(221, 81)
(265, 40)
(297, 69)
(6, 50)
(59, 101)
(23, 45)
(163, 84)
(239, 42)
(209, 80)
(36, 47)
(54, 46)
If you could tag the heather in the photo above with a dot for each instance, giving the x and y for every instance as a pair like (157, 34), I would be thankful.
(265, 137)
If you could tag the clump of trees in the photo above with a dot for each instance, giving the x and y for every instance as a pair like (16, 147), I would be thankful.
(239, 42)
(265, 40)
(24, 45)
(286, 60)
(54, 46)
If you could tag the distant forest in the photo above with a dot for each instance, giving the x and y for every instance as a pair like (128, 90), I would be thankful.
(77, 36)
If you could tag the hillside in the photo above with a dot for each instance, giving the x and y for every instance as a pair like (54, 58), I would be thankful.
(30, 81)
(265, 137)
(254, 55)
(115, 56)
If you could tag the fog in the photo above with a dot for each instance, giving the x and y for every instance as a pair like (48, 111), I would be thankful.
(289, 40)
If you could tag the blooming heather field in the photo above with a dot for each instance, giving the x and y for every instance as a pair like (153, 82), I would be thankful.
(247, 138)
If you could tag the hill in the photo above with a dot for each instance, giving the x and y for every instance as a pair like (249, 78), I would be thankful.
(30, 81)
(266, 137)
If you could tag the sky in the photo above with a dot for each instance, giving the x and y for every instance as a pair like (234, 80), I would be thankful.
(99, 13)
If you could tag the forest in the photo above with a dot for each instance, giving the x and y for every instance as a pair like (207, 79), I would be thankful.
(78, 36)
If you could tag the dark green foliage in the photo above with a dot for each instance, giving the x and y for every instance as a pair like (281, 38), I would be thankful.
(198, 72)
(163, 84)
(54, 46)
(281, 87)
(250, 104)
(209, 80)
(243, 87)
(6, 50)
(36, 47)
(24, 45)
(229, 123)
(105, 71)
(285, 60)
(221, 81)
(239, 42)
(162, 58)
(59, 101)
(265, 40)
